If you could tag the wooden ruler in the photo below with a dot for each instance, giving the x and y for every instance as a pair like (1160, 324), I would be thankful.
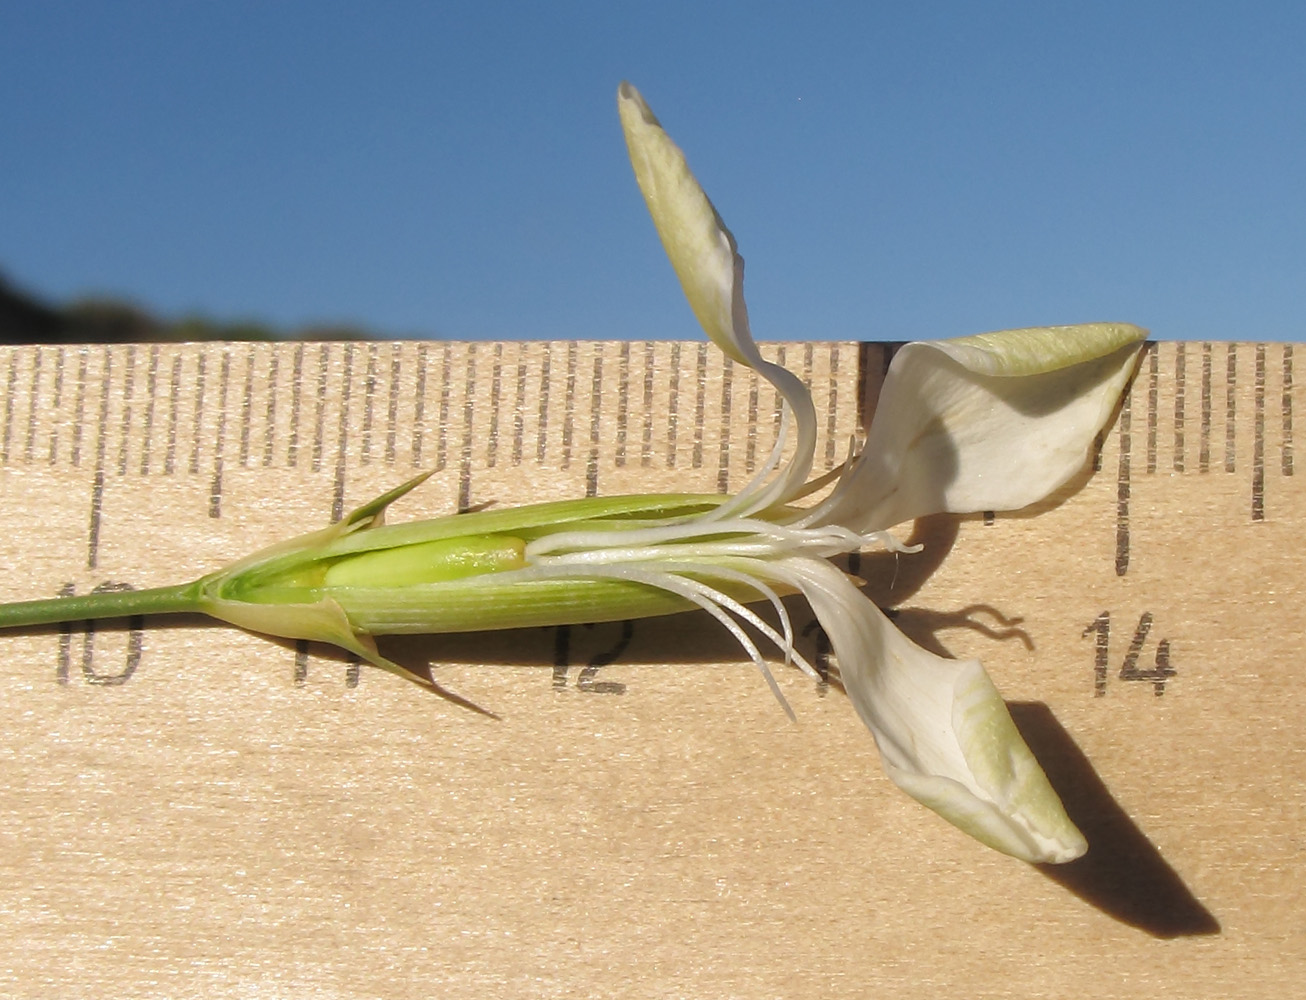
(189, 810)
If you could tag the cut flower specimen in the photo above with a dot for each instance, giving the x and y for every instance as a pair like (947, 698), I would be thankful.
(991, 422)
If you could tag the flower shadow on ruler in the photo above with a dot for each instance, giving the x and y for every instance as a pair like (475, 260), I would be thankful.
(1124, 874)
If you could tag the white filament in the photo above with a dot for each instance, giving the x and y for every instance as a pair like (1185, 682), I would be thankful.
(682, 556)
(682, 578)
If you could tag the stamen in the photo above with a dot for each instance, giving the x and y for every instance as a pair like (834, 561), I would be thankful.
(715, 603)
(745, 499)
(843, 473)
(833, 539)
(675, 578)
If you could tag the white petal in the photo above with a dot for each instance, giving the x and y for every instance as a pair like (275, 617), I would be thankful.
(943, 730)
(992, 422)
(708, 264)
(700, 247)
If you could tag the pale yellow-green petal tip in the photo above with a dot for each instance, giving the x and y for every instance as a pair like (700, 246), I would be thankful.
(1029, 820)
(996, 791)
(1042, 836)
(1039, 349)
(700, 248)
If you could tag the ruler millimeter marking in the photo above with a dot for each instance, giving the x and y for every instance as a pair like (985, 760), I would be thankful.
(1239, 385)
(594, 414)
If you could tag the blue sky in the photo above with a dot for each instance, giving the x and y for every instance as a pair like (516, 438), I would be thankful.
(891, 171)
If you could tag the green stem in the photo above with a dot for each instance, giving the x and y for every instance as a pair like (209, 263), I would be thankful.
(108, 604)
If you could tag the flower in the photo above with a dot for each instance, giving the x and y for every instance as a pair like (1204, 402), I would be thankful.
(991, 422)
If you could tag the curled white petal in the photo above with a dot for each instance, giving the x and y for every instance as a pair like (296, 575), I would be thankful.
(711, 272)
(700, 247)
(993, 422)
(943, 731)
